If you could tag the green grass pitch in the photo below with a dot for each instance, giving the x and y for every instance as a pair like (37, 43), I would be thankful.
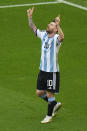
(20, 108)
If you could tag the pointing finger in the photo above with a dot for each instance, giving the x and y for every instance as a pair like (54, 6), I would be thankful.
(33, 8)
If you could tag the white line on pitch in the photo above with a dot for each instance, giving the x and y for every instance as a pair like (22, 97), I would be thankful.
(73, 4)
(21, 5)
(45, 3)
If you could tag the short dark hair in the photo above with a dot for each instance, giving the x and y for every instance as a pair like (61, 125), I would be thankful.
(53, 20)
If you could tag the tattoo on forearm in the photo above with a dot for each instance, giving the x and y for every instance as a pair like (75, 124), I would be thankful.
(32, 25)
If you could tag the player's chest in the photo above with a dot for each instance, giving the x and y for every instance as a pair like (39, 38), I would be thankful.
(47, 44)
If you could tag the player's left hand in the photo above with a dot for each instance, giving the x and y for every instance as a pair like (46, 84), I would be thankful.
(57, 20)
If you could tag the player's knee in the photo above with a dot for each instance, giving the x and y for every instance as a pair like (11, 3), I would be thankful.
(49, 94)
(39, 93)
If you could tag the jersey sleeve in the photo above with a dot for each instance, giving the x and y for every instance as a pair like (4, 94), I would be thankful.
(40, 34)
(57, 40)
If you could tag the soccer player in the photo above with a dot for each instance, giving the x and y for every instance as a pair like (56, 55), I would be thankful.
(49, 75)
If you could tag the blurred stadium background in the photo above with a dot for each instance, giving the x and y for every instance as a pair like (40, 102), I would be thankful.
(20, 108)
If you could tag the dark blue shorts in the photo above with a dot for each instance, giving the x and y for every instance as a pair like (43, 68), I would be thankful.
(49, 81)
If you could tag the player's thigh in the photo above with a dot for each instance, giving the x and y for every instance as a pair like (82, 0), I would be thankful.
(41, 81)
(52, 84)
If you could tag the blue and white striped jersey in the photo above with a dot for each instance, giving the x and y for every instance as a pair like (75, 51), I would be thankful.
(49, 52)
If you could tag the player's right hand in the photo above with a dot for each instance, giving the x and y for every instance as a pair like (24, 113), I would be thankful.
(30, 12)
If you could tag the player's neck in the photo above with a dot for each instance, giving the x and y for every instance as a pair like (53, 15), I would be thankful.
(51, 35)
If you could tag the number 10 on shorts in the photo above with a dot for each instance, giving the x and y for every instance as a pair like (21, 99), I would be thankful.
(49, 83)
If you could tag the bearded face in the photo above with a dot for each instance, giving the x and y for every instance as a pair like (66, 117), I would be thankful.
(51, 28)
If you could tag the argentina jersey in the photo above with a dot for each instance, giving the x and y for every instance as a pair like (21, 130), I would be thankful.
(49, 52)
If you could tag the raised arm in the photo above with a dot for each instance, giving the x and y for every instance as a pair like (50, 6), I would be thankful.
(31, 24)
(60, 32)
